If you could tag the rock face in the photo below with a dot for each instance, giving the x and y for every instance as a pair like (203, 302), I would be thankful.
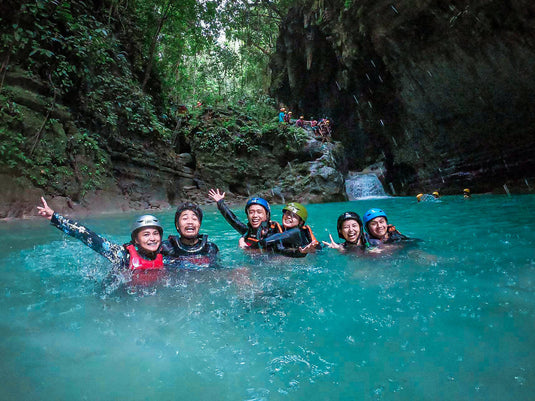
(441, 93)
(275, 161)
(75, 123)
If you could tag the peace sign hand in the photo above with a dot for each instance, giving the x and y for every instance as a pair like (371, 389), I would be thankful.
(45, 210)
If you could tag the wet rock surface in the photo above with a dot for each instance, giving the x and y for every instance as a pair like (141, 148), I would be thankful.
(275, 161)
(440, 93)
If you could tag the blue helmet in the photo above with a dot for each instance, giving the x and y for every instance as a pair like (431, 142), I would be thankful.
(258, 201)
(372, 214)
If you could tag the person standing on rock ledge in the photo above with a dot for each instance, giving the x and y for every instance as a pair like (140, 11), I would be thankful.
(282, 113)
(189, 249)
(258, 225)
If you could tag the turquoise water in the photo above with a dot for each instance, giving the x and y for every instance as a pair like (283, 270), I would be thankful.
(453, 320)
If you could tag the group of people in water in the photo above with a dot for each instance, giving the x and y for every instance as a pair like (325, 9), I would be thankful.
(321, 129)
(436, 195)
(147, 253)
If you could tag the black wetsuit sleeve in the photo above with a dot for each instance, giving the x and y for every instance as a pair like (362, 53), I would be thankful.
(116, 254)
(167, 248)
(286, 243)
(231, 218)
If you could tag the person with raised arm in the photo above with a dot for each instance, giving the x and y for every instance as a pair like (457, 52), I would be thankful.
(140, 255)
(258, 226)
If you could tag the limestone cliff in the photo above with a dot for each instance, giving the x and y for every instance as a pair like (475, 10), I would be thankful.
(80, 124)
(442, 92)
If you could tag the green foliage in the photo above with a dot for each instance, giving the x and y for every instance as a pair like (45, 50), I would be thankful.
(47, 156)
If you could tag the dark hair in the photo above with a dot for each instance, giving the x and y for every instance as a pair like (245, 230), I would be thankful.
(349, 216)
(187, 206)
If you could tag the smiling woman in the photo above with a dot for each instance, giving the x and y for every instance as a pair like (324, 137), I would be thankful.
(142, 253)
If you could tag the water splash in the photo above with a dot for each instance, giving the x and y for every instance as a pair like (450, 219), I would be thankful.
(364, 186)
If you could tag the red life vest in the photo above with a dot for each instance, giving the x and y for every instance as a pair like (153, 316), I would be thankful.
(139, 263)
(144, 271)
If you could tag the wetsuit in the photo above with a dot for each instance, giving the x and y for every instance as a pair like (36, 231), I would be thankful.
(289, 242)
(200, 255)
(251, 235)
(392, 237)
(126, 257)
(354, 248)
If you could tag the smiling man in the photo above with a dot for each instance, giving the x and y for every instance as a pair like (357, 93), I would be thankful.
(190, 249)
(379, 231)
(259, 225)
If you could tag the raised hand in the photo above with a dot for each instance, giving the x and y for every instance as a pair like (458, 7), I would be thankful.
(309, 248)
(216, 194)
(333, 244)
(45, 210)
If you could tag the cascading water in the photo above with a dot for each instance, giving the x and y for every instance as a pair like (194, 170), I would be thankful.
(361, 186)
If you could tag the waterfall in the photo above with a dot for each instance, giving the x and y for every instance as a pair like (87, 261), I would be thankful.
(364, 186)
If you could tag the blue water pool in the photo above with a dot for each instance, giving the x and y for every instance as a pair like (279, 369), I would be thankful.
(451, 320)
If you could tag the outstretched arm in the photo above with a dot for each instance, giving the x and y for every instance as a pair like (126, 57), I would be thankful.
(230, 217)
(113, 252)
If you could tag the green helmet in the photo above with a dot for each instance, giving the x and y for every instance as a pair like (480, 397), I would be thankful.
(298, 209)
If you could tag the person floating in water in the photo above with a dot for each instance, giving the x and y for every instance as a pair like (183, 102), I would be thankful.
(189, 248)
(297, 239)
(466, 193)
(349, 227)
(141, 255)
(436, 195)
(379, 231)
(425, 198)
(259, 225)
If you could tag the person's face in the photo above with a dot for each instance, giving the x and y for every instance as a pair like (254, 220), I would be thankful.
(256, 215)
(149, 239)
(378, 227)
(351, 231)
(290, 220)
(188, 224)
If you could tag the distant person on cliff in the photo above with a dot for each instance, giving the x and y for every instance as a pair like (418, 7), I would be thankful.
(141, 255)
(259, 225)
(379, 231)
(313, 124)
(324, 129)
(282, 114)
(349, 227)
(288, 117)
(297, 239)
(300, 123)
(190, 249)
(466, 193)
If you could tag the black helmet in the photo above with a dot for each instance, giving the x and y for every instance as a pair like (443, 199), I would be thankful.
(145, 221)
(187, 206)
(348, 216)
